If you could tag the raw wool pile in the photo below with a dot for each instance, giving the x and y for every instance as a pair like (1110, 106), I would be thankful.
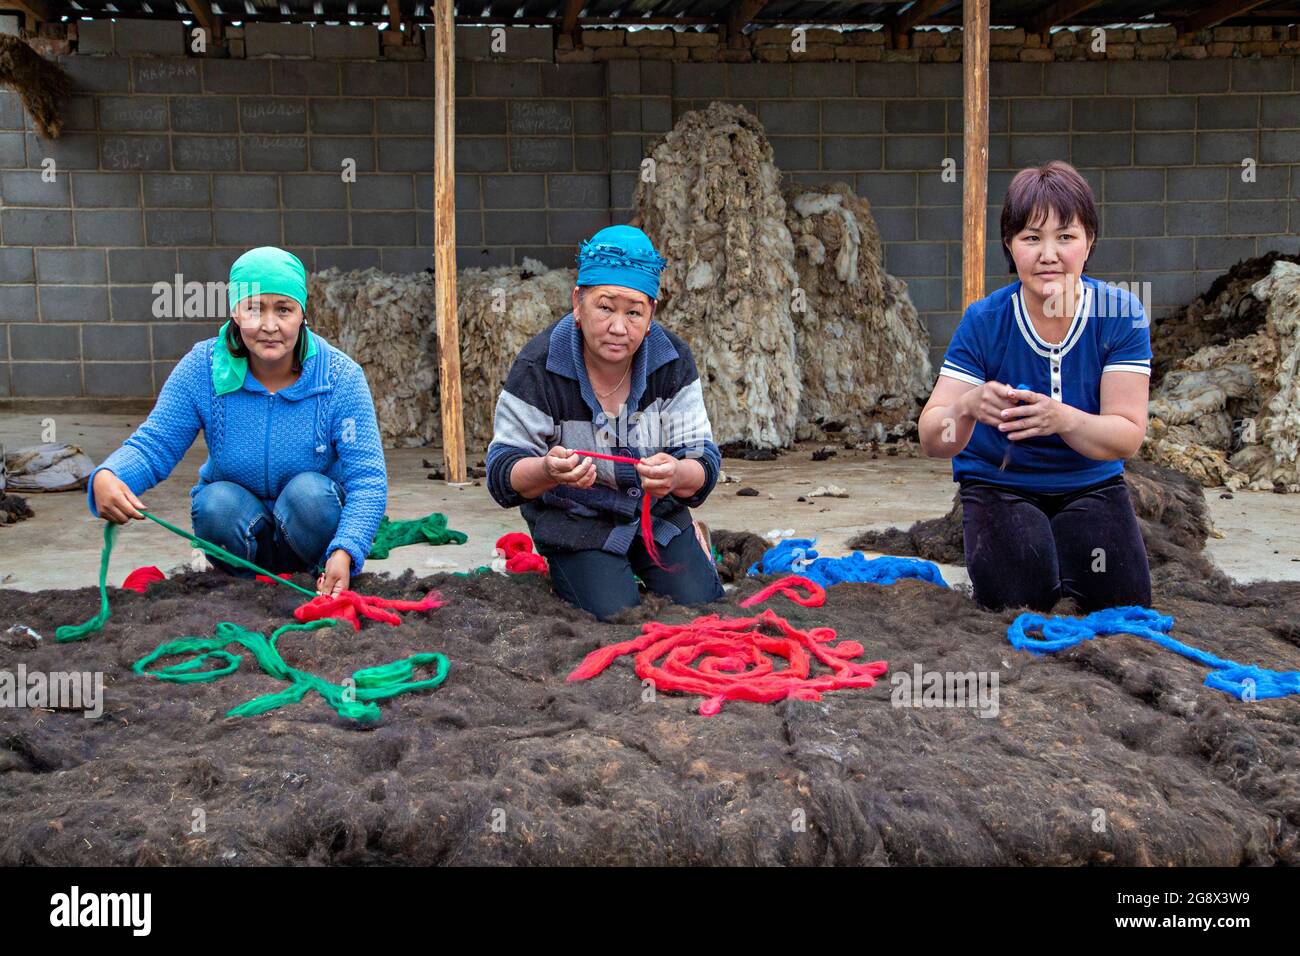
(499, 311)
(1226, 311)
(1230, 413)
(1170, 508)
(862, 351)
(386, 323)
(714, 208)
(14, 509)
(507, 763)
(40, 83)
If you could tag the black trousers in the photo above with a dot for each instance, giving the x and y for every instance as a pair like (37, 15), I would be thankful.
(603, 583)
(1028, 549)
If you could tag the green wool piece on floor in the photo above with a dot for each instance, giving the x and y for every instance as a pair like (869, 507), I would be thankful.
(431, 529)
(354, 700)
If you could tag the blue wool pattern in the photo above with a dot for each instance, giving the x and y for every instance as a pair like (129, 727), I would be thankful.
(797, 556)
(324, 422)
(1243, 681)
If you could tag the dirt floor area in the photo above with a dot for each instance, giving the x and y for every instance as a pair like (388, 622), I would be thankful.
(1110, 753)
(1113, 752)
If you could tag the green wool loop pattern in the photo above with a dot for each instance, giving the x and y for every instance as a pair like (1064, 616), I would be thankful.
(354, 701)
(79, 632)
(431, 529)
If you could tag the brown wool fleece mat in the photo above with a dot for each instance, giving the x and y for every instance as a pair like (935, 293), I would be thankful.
(589, 773)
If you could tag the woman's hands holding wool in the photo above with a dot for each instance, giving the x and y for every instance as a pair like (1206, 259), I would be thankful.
(1037, 417)
(565, 467)
(337, 575)
(114, 500)
(658, 474)
(987, 402)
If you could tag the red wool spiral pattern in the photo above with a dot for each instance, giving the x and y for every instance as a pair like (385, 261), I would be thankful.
(725, 659)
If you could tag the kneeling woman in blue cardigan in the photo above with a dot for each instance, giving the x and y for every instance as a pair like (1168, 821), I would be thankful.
(295, 475)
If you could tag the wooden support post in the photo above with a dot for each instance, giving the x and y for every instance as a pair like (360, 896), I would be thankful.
(444, 241)
(975, 170)
(569, 20)
(208, 20)
(1060, 12)
(1216, 13)
(735, 17)
(902, 25)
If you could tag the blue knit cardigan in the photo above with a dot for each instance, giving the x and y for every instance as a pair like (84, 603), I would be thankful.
(324, 422)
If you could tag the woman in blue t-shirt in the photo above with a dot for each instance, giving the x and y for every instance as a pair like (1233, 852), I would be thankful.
(1042, 395)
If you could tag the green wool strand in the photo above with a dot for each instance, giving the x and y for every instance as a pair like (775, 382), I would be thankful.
(354, 701)
(79, 632)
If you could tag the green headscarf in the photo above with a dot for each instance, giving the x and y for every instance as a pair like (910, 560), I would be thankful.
(265, 270)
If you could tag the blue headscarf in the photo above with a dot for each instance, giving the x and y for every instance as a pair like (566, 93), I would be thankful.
(622, 256)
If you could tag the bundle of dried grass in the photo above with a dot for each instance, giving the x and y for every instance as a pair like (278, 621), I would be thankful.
(714, 208)
(41, 83)
(385, 322)
(1230, 413)
(863, 353)
(499, 311)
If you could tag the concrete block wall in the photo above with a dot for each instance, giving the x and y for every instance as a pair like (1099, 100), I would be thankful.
(173, 164)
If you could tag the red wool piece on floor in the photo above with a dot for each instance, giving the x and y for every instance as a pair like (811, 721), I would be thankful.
(725, 659)
(517, 548)
(816, 596)
(140, 579)
(351, 606)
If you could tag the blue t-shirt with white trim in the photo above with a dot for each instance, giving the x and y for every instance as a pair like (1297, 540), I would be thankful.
(996, 342)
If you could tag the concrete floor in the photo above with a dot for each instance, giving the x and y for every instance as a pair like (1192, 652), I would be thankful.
(59, 548)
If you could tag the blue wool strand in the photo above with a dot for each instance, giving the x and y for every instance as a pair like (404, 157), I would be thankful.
(796, 556)
(1243, 681)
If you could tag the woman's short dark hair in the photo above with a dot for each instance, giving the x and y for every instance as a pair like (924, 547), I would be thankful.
(1056, 187)
(237, 348)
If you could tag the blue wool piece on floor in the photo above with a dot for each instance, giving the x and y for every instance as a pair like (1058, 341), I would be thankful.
(1243, 681)
(796, 556)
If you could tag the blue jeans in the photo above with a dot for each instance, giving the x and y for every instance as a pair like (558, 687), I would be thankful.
(603, 583)
(1026, 549)
(289, 534)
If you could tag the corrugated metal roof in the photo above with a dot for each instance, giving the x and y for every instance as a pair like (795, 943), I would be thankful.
(1003, 12)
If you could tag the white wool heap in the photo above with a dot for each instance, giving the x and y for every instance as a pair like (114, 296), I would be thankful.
(385, 322)
(1230, 414)
(711, 202)
(499, 310)
(863, 354)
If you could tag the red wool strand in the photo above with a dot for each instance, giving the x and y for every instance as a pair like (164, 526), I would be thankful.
(351, 606)
(725, 659)
(517, 548)
(816, 596)
(647, 525)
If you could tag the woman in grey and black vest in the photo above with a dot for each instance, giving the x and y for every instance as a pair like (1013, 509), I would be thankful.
(607, 378)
